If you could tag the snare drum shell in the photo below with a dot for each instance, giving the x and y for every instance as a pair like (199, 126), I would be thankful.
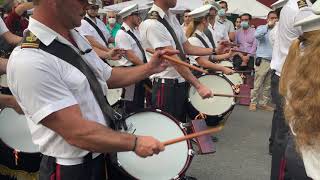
(189, 159)
(210, 120)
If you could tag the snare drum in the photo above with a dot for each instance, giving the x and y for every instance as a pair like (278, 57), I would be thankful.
(169, 164)
(214, 108)
(19, 157)
(235, 78)
(114, 96)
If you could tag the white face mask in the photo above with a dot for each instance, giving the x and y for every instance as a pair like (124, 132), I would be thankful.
(112, 20)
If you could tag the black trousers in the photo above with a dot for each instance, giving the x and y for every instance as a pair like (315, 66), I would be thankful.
(138, 99)
(93, 169)
(171, 97)
(281, 130)
(294, 166)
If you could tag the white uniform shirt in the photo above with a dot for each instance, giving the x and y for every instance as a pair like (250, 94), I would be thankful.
(87, 30)
(196, 42)
(43, 84)
(3, 29)
(155, 35)
(285, 34)
(125, 41)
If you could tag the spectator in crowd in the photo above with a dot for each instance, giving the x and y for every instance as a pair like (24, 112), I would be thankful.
(247, 42)
(186, 20)
(16, 20)
(210, 30)
(237, 24)
(222, 20)
(112, 25)
(262, 77)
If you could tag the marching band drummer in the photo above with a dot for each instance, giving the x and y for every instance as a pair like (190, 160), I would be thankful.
(128, 38)
(162, 30)
(196, 35)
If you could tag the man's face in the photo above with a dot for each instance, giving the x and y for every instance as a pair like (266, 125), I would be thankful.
(224, 6)
(272, 17)
(70, 12)
(93, 10)
(135, 18)
(186, 18)
(171, 3)
(245, 18)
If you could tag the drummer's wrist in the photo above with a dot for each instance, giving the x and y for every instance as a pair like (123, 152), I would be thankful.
(135, 142)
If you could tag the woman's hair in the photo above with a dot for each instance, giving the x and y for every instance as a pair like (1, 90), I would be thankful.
(193, 26)
(300, 85)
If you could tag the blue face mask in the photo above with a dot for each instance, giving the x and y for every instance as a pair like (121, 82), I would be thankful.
(222, 12)
(245, 24)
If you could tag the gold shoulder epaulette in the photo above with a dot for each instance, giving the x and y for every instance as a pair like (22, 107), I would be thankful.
(30, 41)
(153, 15)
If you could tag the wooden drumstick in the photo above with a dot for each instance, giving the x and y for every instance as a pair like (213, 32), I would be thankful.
(194, 135)
(177, 61)
(230, 95)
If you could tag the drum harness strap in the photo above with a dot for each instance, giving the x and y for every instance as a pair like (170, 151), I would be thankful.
(155, 15)
(113, 119)
(97, 29)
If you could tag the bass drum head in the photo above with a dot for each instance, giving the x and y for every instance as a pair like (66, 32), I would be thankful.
(114, 96)
(170, 163)
(15, 133)
(215, 106)
(235, 78)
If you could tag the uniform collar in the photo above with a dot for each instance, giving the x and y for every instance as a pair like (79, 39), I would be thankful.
(159, 10)
(47, 35)
(126, 27)
(199, 32)
(93, 20)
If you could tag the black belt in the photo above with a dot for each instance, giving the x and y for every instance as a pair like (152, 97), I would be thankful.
(5, 90)
(167, 81)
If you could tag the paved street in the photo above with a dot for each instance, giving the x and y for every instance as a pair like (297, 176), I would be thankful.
(242, 150)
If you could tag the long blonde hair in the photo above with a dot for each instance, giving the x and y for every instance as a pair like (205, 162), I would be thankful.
(193, 26)
(300, 85)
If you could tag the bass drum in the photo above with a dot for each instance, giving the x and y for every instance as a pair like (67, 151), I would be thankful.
(20, 158)
(215, 108)
(169, 164)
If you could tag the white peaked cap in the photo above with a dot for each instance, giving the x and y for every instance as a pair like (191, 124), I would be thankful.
(95, 2)
(201, 11)
(312, 22)
(278, 4)
(213, 3)
(128, 10)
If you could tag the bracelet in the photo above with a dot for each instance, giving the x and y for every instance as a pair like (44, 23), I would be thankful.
(213, 51)
(135, 143)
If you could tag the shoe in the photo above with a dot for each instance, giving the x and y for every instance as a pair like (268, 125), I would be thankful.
(252, 107)
(266, 108)
(188, 178)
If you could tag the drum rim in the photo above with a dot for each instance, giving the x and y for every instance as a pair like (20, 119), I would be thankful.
(234, 99)
(189, 157)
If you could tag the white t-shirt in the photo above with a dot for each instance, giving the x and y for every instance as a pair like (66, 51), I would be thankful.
(125, 41)
(311, 161)
(43, 84)
(220, 31)
(155, 35)
(197, 42)
(87, 30)
(3, 27)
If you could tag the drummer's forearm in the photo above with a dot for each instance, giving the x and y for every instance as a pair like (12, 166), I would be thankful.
(187, 75)
(5, 101)
(196, 50)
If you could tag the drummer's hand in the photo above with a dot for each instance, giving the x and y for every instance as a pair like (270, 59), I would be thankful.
(204, 91)
(227, 71)
(114, 54)
(148, 146)
(157, 64)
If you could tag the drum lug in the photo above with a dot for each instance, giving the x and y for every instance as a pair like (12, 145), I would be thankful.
(177, 177)
(233, 103)
(183, 126)
(191, 152)
(119, 164)
(16, 156)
